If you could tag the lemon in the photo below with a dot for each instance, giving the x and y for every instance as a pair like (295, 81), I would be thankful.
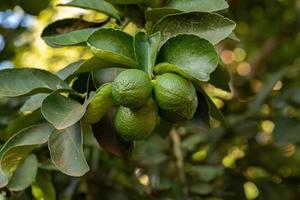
(131, 88)
(138, 123)
(100, 104)
(176, 97)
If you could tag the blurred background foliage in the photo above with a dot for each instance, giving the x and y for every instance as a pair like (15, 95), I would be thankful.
(256, 157)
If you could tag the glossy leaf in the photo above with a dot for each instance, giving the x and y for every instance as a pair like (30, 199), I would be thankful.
(176, 6)
(23, 81)
(210, 26)
(97, 5)
(62, 111)
(68, 32)
(203, 108)
(66, 151)
(24, 175)
(105, 133)
(113, 46)
(188, 55)
(220, 78)
(103, 76)
(146, 48)
(69, 71)
(152, 3)
(19, 146)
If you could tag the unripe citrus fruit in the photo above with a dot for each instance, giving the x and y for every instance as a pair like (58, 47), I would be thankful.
(175, 96)
(138, 123)
(131, 88)
(100, 104)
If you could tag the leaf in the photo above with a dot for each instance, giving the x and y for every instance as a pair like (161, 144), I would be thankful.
(69, 32)
(35, 101)
(19, 146)
(153, 3)
(269, 82)
(24, 175)
(210, 26)
(66, 151)
(146, 48)
(176, 6)
(189, 56)
(101, 103)
(24, 81)
(61, 111)
(96, 5)
(113, 46)
(96, 63)
(220, 78)
(42, 188)
(105, 133)
(103, 76)
(215, 112)
(203, 108)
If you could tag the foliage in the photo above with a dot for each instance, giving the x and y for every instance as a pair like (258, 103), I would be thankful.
(251, 153)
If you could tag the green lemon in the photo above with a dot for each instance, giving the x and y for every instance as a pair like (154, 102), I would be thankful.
(100, 104)
(138, 123)
(175, 96)
(131, 88)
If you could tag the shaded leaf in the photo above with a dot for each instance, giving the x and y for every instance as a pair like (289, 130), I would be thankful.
(189, 56)
(286, 131)
(146, 48)
(96, 63)
(42, 188)
(103, 76)
(210, 26)
(108, 139)
(24, 81)
(67, 72)
(113, 46)
(220, 78)
(66, 151)
(69, 32)
(96, 5)
(62, 111)
(33, 103)
(203, 108)
(24, 175)
(19, 146)
(215, 112)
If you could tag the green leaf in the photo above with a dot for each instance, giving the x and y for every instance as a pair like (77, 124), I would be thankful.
(24, 81)
(96, 63)
(103, 76)
(190, 56)
(35, 101)
(69, 32)
(66, 151)
(106, 135)
(220, 78)
(203, 108)
(286, 131)
(146, 48)
(176, 6)
(214, 111)
(113, 46)
(19, 146)
(24, 175)
(210, 26)
(96, 5)
(153, 3)
(42, 188)
(101, 103)
(62, 111)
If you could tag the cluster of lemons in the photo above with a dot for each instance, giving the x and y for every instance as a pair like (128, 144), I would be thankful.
(141, 101)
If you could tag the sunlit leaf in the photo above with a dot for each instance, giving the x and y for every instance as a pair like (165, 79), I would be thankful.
(210, 26)
(188, 55)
